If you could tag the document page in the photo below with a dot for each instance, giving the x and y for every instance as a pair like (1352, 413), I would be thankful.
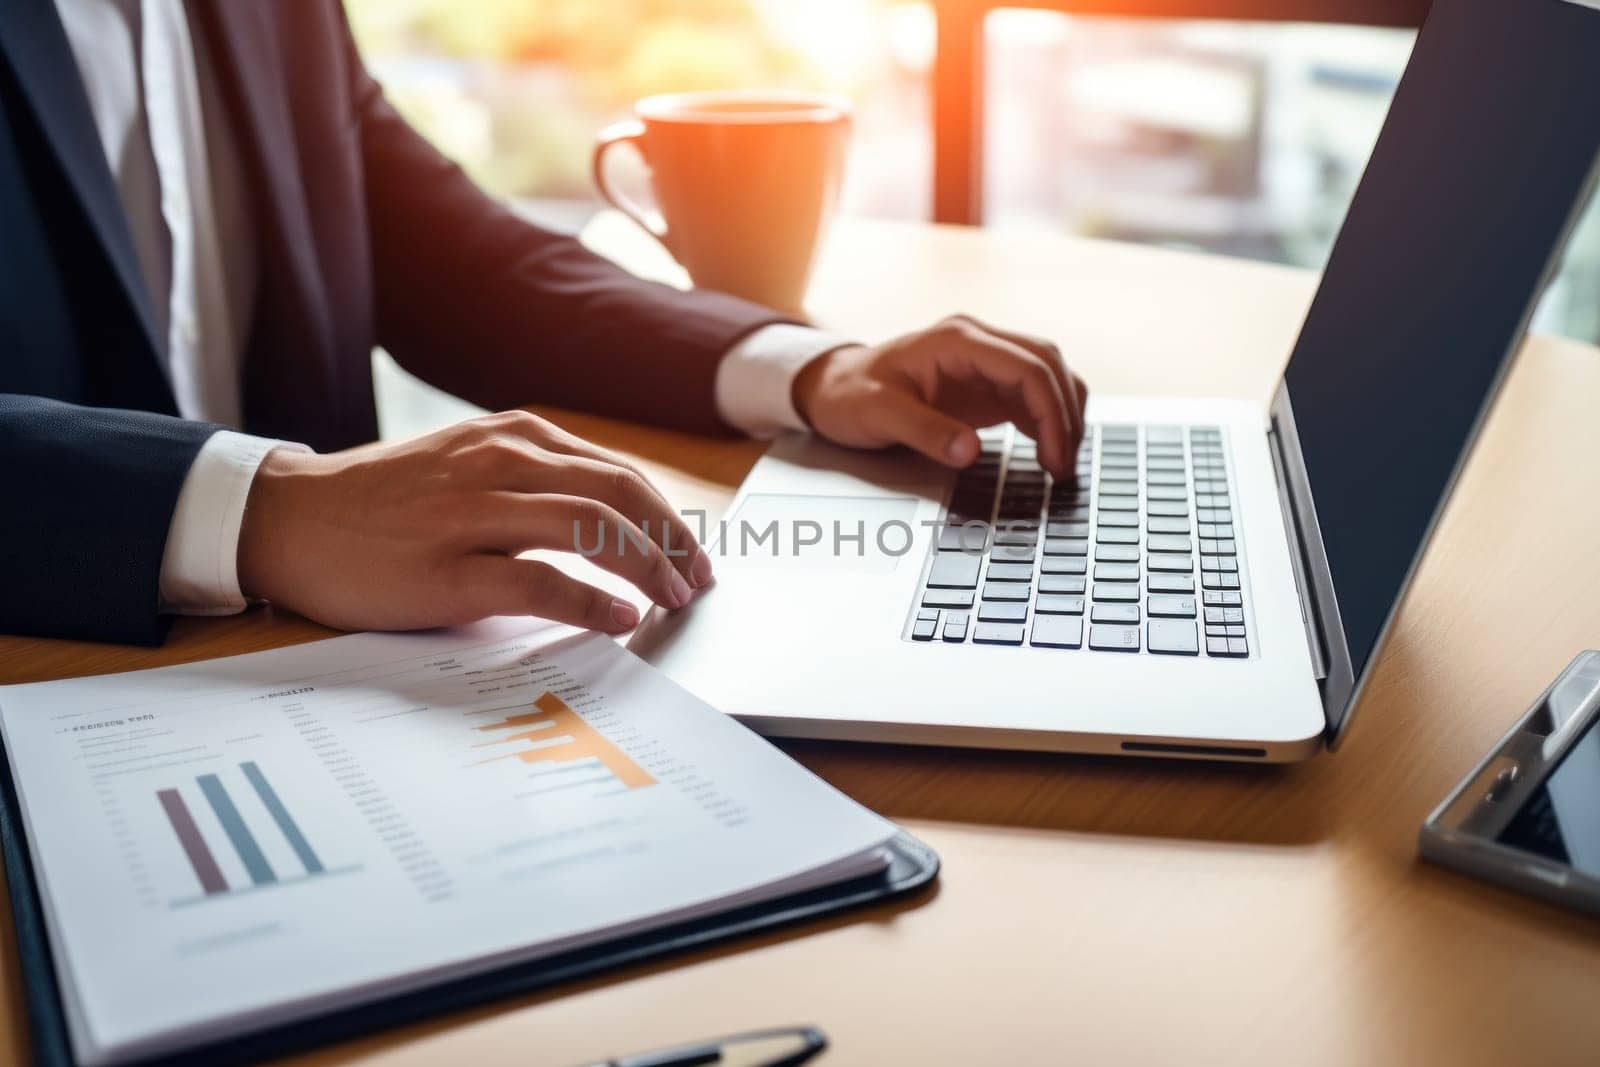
(240, 842)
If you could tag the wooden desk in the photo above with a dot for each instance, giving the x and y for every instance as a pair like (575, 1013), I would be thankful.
(1117, 911)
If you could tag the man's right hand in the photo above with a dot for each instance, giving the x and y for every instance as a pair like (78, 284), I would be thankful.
(426, 532)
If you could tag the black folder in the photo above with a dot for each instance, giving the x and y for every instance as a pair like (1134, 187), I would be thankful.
(913, 866)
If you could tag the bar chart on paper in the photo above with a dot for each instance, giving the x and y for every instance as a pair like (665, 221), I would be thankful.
(214, 832)
(562, 751)
(501, 794)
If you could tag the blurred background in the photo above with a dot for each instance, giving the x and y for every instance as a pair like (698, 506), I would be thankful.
(1242, 138)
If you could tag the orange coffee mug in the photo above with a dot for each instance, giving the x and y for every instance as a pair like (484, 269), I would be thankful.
(746, 183)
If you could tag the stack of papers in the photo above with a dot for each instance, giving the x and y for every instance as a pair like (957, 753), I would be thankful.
(241, 843)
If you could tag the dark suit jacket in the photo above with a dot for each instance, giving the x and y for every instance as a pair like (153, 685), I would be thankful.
(367, 237)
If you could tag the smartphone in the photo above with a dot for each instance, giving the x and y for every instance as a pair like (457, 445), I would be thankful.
(1528, 816)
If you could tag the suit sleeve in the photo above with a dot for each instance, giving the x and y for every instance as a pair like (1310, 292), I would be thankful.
(89, 495)
(481, 303)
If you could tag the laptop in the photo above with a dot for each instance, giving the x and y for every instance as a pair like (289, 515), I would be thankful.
(1218, 580)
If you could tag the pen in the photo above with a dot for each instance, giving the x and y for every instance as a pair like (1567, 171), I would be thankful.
(786, 1046)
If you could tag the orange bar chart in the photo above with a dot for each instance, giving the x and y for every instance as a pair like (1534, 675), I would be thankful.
(560, 736)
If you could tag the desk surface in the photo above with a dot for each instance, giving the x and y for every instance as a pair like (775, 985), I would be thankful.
(1124, 911)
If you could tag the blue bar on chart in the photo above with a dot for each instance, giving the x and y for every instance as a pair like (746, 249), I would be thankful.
(280, 815)
(244, 842)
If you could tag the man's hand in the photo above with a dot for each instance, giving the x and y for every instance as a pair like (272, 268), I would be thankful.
(928, 390)
(426, 532)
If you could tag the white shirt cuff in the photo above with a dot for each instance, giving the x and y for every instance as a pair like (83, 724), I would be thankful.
(200, 567)
(755, 380)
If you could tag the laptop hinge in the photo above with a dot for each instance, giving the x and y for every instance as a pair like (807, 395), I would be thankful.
(1297, 557)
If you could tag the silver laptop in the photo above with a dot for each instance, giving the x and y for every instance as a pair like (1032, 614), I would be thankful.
(1218, 580)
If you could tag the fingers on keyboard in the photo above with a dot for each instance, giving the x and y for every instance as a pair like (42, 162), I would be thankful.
(1149, 509)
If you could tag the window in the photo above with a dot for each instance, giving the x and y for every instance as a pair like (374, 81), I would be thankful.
(1233, 137)
(1239, 138)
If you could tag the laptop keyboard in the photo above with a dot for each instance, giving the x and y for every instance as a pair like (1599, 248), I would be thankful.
(1140, 554)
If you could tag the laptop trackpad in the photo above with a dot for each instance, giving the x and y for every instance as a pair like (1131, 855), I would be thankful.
(792, 530)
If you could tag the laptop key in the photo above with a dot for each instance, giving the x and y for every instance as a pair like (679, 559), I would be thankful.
(968, 537)
(1170, 583)
(1159, 542)
(1010, 572)
(1060, 584)
(1170, 561)
(1216, 646)
(1116, 592)
(954, 570)
(924, 629)
(1166, 606)
(1065, 546)
(1066, 529)
(1057, 631)
(947, 598)
(1116, 572)
(1014, 553)
(1166, 492)
(1063, 565)
(1113, 536)
(955, 628)
(1125, 519)
(997, 633)
(1156, 476)
(1016, 591)
(1167, 508)
(1114, 638)
(1015, 536)
(1162, 525)
(988, 612)
(1127, 503)
(928, 615)
(1172, 637)
(1058, 605)
(1116, 613)
(1117, 553)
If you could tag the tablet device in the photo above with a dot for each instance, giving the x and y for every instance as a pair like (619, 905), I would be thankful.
(1528, 816)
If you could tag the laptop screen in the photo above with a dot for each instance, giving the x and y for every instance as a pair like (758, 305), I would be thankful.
(1488, 149)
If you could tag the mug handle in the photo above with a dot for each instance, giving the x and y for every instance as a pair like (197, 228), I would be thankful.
(628, 131)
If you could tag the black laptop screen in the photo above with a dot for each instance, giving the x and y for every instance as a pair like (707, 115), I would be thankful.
(1486, 153)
